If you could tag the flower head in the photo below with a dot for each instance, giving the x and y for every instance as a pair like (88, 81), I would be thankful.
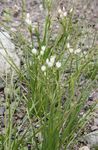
(42, 50)
(34, 51)
(28, 19)
(68, 45)
(47, 61)
(58, 64)
(71, 10)
(77, 51)
(65, 14)
(62, 13)
(52, 59)
(50, 64)
(43, 68)
(84, 52)
(59, 11)
(71, 50)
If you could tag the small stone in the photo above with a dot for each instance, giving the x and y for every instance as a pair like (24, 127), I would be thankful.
(92, 138)
(20, 115)
(94, 95)
(7, 54)
(84, 148)
(2, 122)
(29, 146)
(93, 128)
(2, 110)
(16, 10)
(96, 121)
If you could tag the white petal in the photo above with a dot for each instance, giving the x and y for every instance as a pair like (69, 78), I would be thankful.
(68, 45)
(34, 51)
(59, 11)
(42, 52)
(84, 52)
(58, 64)
(71, 10)
(43, 48)
(77, 51)
(71, 50)
(65, 14)
(52, 59)
(47, 61)
(50, 64)
(28, 19)
(43, 68)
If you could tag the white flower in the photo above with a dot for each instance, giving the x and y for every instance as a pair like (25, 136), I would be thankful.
(52, 59)
(50, 64)
(71, 50)
(43, 48)
(47, 61)
(63, 8)
(71, 10)
(42, 52)
(41, 7)
(68, 45)
(84, 52)
(43, 68)
(62, 13)
(58, 64)
(28, 19)
(34, 51)
(61, 16)
(77, 51)
(59, 11)
(65, 14)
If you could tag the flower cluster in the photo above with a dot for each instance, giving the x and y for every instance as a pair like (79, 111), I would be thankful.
(50, 62)
(71, 50)
(42, 50)
(35, 51)
(62, 13)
